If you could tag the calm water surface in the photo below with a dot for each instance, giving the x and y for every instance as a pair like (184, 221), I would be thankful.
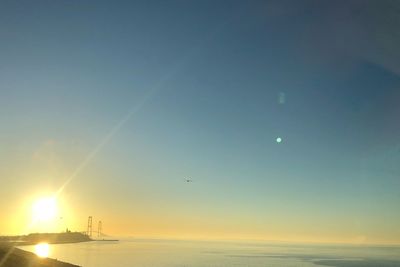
(156, 253)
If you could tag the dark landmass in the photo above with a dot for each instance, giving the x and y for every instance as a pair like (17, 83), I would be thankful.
(50, 238)
(57, 238)
(14, 257)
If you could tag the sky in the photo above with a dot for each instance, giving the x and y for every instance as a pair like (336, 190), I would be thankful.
(110, 106)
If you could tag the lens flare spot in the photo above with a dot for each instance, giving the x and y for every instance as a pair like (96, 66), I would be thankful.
(42, 250)
(278, 140)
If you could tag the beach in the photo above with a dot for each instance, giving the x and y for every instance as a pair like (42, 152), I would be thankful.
(11, 256)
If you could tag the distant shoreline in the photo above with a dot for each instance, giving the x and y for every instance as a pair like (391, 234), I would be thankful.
(50, 238)
(26, 243)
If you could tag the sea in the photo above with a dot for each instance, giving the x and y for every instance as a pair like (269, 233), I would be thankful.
(173, 253)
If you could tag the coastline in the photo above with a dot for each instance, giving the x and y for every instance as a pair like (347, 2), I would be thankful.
(10, 256)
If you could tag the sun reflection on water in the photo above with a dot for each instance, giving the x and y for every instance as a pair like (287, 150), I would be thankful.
(42, 250)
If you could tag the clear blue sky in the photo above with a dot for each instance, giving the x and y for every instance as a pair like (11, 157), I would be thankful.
(202, 81)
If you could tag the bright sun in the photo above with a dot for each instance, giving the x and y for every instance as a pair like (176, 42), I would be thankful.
(44, 209)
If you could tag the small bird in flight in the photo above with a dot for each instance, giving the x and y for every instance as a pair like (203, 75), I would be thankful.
(188, 180)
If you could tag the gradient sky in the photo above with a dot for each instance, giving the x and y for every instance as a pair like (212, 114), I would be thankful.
(123, 100)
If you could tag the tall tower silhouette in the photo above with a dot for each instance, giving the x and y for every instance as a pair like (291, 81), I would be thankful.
(99, 229)
(89, 226)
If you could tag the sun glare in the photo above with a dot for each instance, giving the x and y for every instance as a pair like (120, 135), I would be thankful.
(44, 209)
(42, 250)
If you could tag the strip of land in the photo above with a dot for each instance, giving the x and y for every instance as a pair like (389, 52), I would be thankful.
(50, 238)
